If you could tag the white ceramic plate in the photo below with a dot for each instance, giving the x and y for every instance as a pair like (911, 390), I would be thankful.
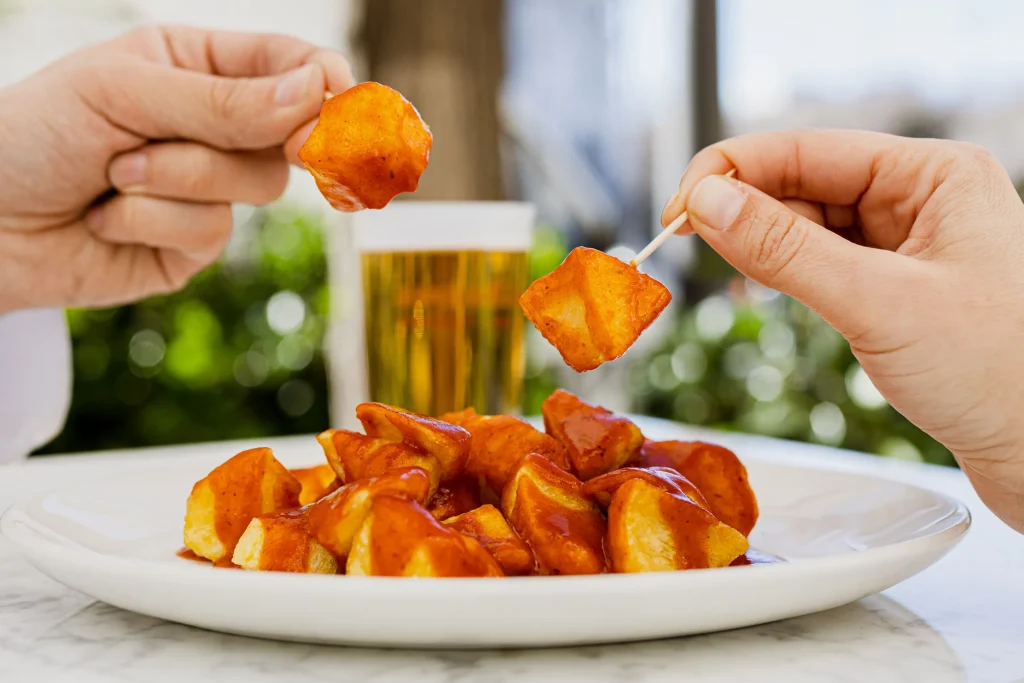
(846, 536)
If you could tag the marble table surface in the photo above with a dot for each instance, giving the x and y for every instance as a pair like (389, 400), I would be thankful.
(960, 620)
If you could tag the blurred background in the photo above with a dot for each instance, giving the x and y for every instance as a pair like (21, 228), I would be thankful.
(590, 109)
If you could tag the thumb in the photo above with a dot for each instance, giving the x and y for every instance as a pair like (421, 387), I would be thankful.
(160, 103)
(768, 242)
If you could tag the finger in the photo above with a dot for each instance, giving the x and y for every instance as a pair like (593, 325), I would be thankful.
(197, 173)
(159, 102)
(888, 178)
(238, 55)
(200, 231)
(809, 210)
(849, 286)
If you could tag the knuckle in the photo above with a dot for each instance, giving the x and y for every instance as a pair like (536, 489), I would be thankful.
(226, 102)
(775, 242)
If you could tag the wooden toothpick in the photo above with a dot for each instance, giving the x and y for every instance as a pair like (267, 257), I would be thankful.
(669, 230)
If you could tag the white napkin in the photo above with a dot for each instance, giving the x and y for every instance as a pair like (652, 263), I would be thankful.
(35, 380)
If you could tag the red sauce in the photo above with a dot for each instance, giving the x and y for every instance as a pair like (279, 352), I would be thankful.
(187, 554)
(286, 541)
(487, 525)
(455, 498)
(752, 557)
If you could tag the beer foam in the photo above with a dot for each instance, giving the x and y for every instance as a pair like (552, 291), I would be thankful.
(444, 226)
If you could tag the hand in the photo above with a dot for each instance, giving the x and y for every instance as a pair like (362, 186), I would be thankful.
(119, 163)
(913, 250)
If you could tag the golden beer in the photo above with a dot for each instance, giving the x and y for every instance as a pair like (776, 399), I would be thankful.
(444, 330)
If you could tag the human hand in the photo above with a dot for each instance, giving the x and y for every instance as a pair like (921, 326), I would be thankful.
(934, 312)
(119, 163)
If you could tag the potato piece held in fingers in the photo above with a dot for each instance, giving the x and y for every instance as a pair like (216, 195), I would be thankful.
(651, 530)
(316, 482)
(335, 519)
(487, 525)
(446, 442)
(593, 307)
(369, 145)
(716, 471)
(401, 538)
(222, 504)
(562, 525)
(282, 542)
(355, 456)
(596, 439)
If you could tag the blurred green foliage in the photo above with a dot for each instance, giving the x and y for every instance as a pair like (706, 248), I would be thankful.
(236, 354)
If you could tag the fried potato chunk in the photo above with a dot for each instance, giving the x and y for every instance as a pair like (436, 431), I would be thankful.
(500, 442)
(401, 538)
(716, 471)
(651, 530)
(455, 498)
(561, 524)
(596, 439)
(355, 456)
(369, 145)
(336, 518)
(316, 482)
(487, 525)
(282, 542)
(665, 478)
(221, 505)
(593, 307)
(446, 442)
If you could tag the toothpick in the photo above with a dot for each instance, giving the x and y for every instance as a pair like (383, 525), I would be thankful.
(669, 230)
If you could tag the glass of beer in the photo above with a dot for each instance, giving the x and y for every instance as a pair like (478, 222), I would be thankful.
(440, 297)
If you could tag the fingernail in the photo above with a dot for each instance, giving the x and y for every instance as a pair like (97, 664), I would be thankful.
(716, 202)
(128, 170)
(293, 88)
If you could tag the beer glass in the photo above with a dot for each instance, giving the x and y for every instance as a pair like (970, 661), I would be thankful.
(440, 301)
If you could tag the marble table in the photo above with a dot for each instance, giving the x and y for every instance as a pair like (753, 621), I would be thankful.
(960, 620)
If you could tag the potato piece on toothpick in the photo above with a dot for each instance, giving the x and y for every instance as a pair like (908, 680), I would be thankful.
(593, 307)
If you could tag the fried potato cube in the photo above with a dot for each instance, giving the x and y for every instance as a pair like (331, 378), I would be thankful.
(650, 530)
(282, 542)
(487, 525)
(369, 145)
(336, 518)
(221, 505)
(455, 498)
(401, 538)
(593, 307)
(665, 478)
(550, 511)
(447, 442)
(355, 456)
(316, 482)
(596, 439)
(716, 471)
(500, 442)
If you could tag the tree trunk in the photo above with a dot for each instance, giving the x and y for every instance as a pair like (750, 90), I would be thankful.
(446, 57)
